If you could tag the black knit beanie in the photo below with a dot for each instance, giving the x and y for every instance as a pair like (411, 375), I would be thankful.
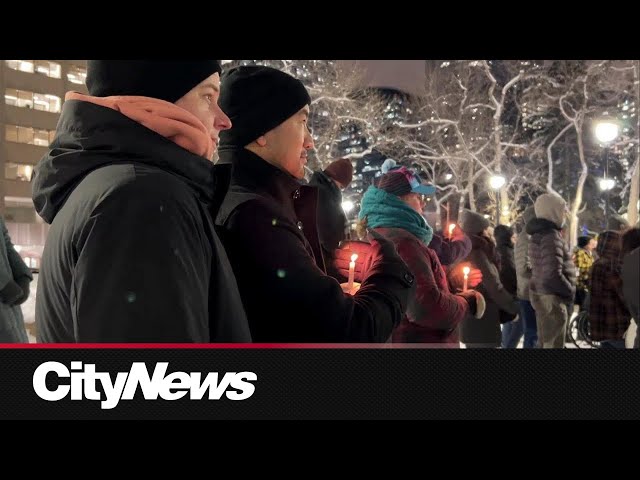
(167, 80)
(257, 99)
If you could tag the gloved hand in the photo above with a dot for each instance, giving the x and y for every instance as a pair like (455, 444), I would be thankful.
(11, 293)
(476, 301)
(24, 283)
(387, 259)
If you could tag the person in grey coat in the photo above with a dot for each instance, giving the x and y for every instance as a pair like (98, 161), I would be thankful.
(485, 332)
(552, 285)
(523, 272)
(15, 278)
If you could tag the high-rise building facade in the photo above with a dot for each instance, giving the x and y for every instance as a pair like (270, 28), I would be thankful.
(33, 93)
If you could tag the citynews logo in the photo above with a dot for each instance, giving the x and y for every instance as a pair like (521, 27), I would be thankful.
(174, 386)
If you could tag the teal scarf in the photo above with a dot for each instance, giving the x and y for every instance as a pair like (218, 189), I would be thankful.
(383, 209)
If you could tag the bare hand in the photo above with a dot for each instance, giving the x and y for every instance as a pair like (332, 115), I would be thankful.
(456, 276)
(457, 233)
(475, 278)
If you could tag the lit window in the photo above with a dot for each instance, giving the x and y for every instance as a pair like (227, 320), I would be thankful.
(11, 133)
(18, 98)
(25, 135)
(16, 171)
(19, 134)
(77, 75)
(21, 65)
(41, 138)
(38, 101)
(50, 69)
(46, 102)
(15, 133)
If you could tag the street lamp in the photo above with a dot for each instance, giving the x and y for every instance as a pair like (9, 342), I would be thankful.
(347, 206)
(607, 184)
(497, 182)
(606, 131)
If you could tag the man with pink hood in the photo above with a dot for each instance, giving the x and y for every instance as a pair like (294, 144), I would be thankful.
(132, 254)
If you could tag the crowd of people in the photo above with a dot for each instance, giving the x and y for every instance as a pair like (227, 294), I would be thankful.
(151, 241)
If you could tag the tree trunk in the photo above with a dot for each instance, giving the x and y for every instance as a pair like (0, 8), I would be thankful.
(472, 200)
(634, 194)
(577, 201)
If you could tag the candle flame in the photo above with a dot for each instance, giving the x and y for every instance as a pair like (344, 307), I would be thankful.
(354, 257)
(466, 270)
(451, 227)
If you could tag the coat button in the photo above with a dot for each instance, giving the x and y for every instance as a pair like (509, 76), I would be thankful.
(300, 225)
(296, 194)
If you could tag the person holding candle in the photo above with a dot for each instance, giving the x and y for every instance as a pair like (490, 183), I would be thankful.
(393, 209)
(451, 245)
(485, 332)
(267, 222)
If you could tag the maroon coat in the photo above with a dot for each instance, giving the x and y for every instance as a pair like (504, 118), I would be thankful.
(433, 313)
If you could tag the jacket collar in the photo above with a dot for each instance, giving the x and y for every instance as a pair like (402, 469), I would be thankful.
(256, 174)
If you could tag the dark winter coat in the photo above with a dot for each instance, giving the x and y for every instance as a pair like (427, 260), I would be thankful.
(131, 255)
(487, 329)
(508, 276)
(267, 223)
(331, 221)
(552, 270)
(450, 251)
(13, 271)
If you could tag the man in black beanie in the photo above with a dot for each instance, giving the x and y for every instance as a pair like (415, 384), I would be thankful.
(268, 224)
(132, 254)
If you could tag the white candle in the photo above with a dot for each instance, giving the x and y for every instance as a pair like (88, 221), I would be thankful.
(352, 271)
(451, 228)
(466, 271)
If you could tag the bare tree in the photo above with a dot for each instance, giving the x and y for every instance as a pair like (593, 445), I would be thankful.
(470, 126)
(522, 119)
(589, 91)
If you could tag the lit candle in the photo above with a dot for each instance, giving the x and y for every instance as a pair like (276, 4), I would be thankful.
(451, 228)
(352, 271)
(466, 271)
